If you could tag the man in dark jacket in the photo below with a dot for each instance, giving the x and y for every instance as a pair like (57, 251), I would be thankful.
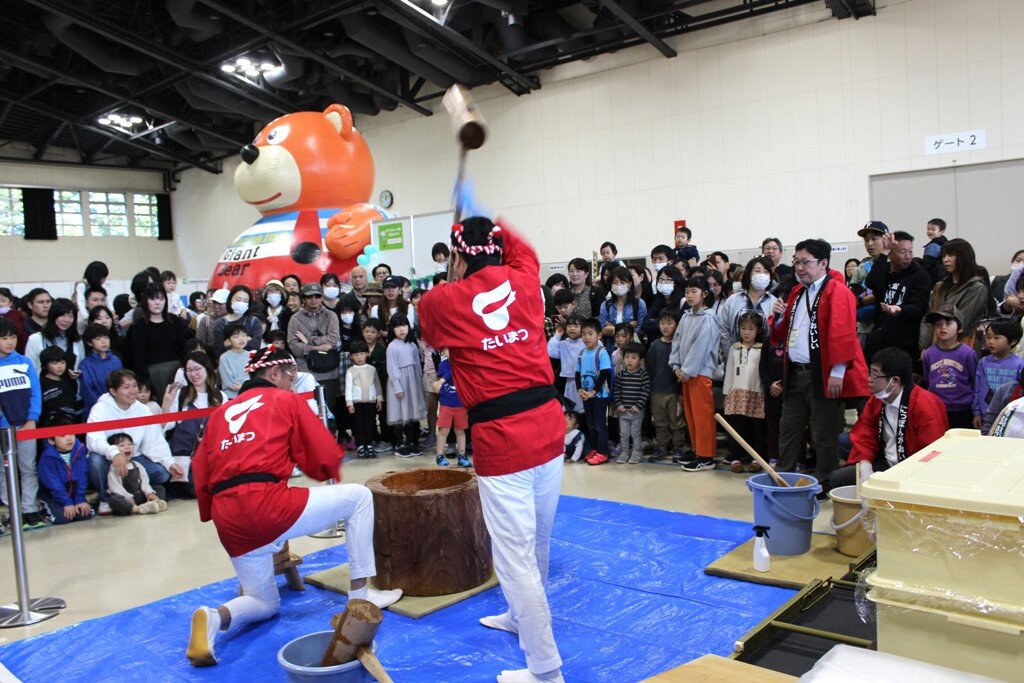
(901, 288)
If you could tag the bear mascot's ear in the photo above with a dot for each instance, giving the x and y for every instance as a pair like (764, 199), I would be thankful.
(341, 118)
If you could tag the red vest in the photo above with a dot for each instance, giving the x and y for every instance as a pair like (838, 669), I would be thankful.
(264, 430)
(492, 324)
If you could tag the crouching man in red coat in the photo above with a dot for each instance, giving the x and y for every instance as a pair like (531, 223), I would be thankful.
(241, 472)
(898, 421)
(491, 320)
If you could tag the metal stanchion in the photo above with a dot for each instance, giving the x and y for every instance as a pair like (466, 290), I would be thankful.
(336, 530)
(26, 611)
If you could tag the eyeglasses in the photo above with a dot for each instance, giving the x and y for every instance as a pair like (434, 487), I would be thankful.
(193, 371)
(874, 377)
(771, 248)
(804, 261)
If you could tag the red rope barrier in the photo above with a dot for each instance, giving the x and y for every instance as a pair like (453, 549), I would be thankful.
(87, 427)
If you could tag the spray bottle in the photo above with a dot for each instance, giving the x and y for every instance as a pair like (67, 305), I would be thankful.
(762, 560)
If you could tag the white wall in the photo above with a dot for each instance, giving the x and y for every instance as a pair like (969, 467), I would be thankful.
(766, 126)
(210, 216)
(30, 261)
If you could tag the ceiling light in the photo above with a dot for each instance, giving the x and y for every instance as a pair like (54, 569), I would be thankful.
(439, 3)
(252, 73)
(135, 119)
(227, 68)
(267, 66)
(244, 62)
(104, 120)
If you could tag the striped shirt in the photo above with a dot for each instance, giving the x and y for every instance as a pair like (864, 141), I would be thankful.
(632, 389)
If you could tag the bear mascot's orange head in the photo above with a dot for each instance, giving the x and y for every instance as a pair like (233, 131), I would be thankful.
(299, 172)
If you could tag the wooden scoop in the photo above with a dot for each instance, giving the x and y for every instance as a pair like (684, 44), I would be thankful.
(354, 630)
(802, 481)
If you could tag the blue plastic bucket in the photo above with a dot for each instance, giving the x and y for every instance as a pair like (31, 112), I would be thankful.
(301, 661)
(789, 511)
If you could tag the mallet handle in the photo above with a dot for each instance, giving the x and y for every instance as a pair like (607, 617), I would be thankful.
(753, 454)
(373, 665)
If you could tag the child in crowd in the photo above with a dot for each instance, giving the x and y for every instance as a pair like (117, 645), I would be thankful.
(950, 367)
(694, 357)
(60, 391)
(349, 322)
(377, 357)
(132, 494)
(936, 231)
(175, 306)
(684, 251)
(593, 377)
(565, 304)
(744, 391)
(20, 406)
(451, 414)
(1003, 396)
(997, 368)
(405, 386)
(99, 362)
(362, 397)
(145, 396)
(231, 365)
(567, 346)
(623, 335)
(632, 392)
(664, 402)
(63, 477)
(573, 435)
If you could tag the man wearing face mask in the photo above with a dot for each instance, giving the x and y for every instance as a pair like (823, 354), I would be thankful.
(899, 419)
(661, 256)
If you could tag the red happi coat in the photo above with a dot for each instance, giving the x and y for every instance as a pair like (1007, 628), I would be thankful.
(926, 424)
(264, 430)
(492, 324)
(837, 325)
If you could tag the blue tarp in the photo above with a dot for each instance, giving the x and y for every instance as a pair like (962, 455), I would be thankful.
(628, 597)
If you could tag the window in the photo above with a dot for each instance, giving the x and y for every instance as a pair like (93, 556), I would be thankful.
(98, 214)
(144, 215)
(12, 213)
(67, 205)
(108, 214)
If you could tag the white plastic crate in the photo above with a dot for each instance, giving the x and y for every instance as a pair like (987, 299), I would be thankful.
(951, 517)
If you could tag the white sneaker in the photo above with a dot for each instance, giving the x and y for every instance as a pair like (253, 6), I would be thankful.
(161, 504)
(296, 472)
(501, 622)
(150, 508)
(205, 624)
(104, 509)
(383, 599)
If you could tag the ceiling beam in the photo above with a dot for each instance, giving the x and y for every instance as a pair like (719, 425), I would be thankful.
(636, 27)
(309, 54)
(119, 100)
(45, 145)
(5, 112)
(450, 35)
(96, 130)
(120, 35)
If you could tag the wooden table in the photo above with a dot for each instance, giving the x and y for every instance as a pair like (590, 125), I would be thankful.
(715, 669)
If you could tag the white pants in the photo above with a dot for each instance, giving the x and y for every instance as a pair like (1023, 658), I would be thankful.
(327, 504)
(519, 510)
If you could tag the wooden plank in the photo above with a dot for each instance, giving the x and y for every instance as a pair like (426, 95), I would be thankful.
(715, 669)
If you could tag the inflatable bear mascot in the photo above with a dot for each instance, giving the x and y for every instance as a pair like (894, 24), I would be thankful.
(310, 174)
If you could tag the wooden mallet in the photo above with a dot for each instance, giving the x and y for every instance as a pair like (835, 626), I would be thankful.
(802, 481)
(354, 630)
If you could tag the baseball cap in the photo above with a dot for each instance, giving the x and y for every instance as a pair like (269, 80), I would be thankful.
(221, 296)
(391, 281)
(947, 312)
(311, 289)
(873, 226)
